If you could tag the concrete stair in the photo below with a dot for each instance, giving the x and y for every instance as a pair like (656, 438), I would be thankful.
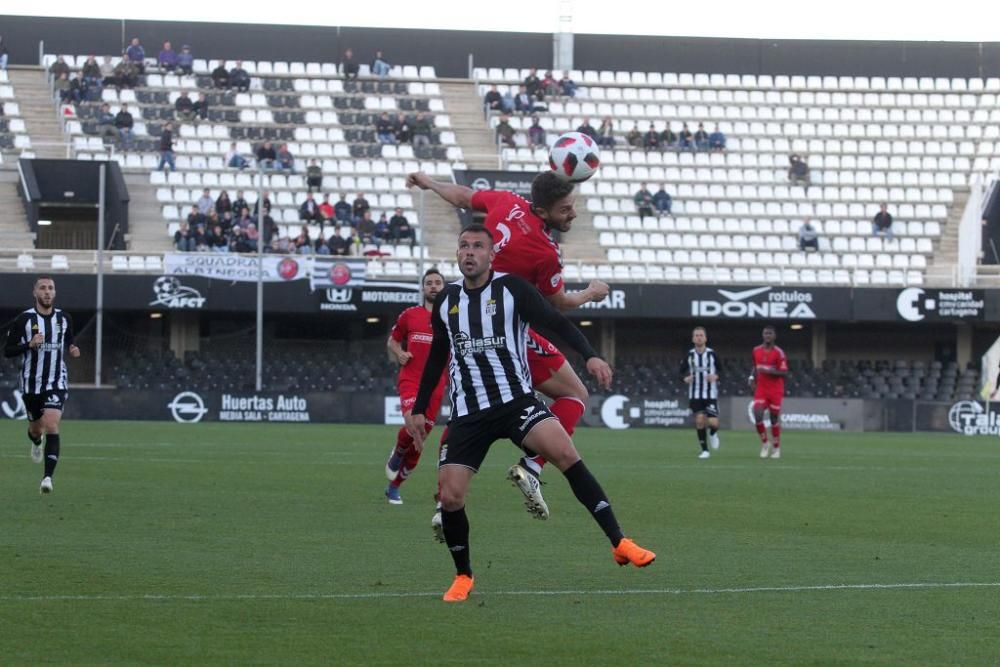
(463, 105)
(14, 231)
(147, 228)
(941, 267)
(39, 111)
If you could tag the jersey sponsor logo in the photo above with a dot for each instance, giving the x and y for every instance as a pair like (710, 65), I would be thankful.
(17, 410)
(170, 293)
(531, 415)
(466, 345)
(421, 338)
(187, 408)
(758, 302)
(556, 279)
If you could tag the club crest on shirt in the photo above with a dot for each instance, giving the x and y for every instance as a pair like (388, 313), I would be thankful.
(491, 307)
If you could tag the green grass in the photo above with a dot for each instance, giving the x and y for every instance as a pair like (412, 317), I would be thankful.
(238, 544)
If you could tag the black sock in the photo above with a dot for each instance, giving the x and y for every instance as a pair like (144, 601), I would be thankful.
(591, 495)
(712, 430)
(456, 535)
(702, 439)
(51, 453)
(34, 440)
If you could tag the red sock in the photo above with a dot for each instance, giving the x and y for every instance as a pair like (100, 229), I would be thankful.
(410, 460)
(762, 432)
(568, 411)
(776, 434)
(403, 441)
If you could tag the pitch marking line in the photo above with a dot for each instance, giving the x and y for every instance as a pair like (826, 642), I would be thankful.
(526, 593)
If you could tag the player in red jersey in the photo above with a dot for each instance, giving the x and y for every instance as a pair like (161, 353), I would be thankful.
(770, 366)
(525, 248)
(409, 343)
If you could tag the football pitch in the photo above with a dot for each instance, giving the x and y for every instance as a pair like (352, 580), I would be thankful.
(273, 544)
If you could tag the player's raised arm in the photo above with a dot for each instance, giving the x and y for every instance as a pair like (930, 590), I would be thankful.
(597, 290)
(456, 195)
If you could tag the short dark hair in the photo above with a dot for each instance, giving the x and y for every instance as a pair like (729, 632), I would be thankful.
(431, 272)
(476, 228)
(44, 277)
(548, 188)
(700, 328)
(769, 327)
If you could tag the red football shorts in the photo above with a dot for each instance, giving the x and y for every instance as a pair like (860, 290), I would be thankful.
(544, 358)
(769, 399)
(408, 396)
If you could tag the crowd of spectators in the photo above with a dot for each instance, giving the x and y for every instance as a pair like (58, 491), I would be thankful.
(403, 129)
(649, 204)
(683, 140)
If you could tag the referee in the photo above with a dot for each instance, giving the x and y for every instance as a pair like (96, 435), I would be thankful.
(41, 335)
(700, 370)
(483, 322)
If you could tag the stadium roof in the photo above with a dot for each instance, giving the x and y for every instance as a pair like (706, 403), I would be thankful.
(959, 20)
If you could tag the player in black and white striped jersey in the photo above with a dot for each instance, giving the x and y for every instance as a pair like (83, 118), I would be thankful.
(42, 335)
(700, 370)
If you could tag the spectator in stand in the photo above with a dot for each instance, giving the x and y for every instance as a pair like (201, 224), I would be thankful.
(217, 241)
(550, 86)
(717, 140)
(235, 159)
(201, 106)
(270, 235)
(136, 55)
(200, 239)
(126, 74)
(507, 102)
(536, 133)
(668, 139)
(185, 60)
(108, 72)
(400, 229)
(245, 219)
(267, 205)
(266, 156)
(340, 241)
(808, 236)
(493, 101)
(252, 236)
(59, 67)
(663, 201)
(366, 228)
(239, 242)
(167, 148)
(634, 136)
(168, 58)
(404, 133)
(588, 129)
(533, 85)
(124, 123)
(205, 202)
(196, 218)
(380, 65)
(385, 129)
(606, 133)
(4, 53)
(567, 85)
(226, 220)
(326, 212)
(220, 76)
(685, 140)
(524, 103)
(882, 222)
(184, 108)
(342, 211)
(651, 140)
(360, 207)
(314, 176)
(240, 203)
(106, 123)
(285, 159)
(422, 130)
(303, 246)
(348, 66)
(223, 204)
(644, 202)
(701, 138)
(239, 78)
(381, 233)
(320, 247)
(798, 171)
(309, 210)
(505, 132)
(64, 88)
(92, 73)
(183, 239)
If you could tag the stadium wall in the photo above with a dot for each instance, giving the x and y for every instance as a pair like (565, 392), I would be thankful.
(448, 50)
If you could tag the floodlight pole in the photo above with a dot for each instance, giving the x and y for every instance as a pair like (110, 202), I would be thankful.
(98, 356)
(260, 278)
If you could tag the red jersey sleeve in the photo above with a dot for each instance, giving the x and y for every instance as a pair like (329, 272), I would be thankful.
(483, 200)
(550, 278)
(400, 328)
(782, 364)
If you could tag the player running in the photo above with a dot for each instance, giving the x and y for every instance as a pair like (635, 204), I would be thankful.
(412, 328)
(770, 366)
(525, 248)
(700, 370)
(41, 335)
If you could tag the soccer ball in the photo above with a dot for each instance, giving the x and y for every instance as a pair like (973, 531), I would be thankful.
(574, 157)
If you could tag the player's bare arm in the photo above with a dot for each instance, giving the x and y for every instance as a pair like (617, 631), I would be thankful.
(401, 356)
(596, 291)
(456, 195)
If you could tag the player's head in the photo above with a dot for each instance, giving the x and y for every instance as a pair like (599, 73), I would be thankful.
(699, 336)
(432, 283)
(44, 291)
(768, 334)
(475, 251)
(552, 200)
